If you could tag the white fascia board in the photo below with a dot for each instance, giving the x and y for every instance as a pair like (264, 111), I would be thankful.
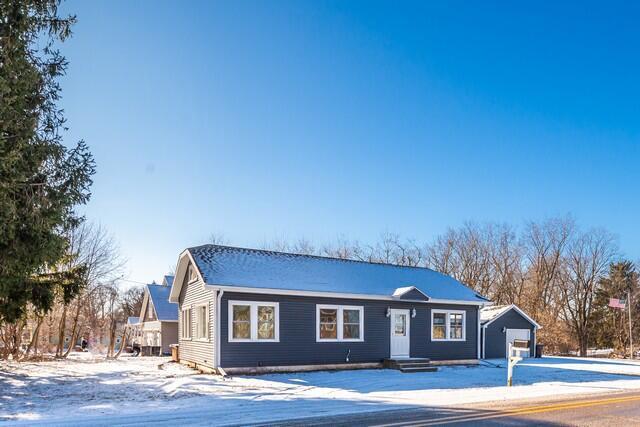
(145, 303)
(271, 291)
(181, 271)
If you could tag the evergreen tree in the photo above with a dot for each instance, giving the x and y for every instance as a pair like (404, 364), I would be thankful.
(42, 181)
(611, 325)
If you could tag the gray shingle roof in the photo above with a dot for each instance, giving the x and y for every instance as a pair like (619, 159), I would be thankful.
(159, 295)
(230, 266)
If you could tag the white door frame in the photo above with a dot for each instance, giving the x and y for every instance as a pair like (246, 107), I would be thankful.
(407, 314)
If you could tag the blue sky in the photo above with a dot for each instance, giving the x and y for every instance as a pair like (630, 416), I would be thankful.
(262, 120)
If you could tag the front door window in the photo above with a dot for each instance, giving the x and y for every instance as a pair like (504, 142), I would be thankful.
(400, 329)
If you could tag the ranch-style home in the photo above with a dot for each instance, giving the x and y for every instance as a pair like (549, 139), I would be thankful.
(247, 310)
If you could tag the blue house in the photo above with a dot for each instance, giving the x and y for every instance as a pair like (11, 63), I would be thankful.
(248, 310)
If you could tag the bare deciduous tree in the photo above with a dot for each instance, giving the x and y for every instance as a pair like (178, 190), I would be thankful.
(586, 263)
(92, 247)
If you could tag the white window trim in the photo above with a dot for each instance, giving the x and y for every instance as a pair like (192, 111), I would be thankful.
(254, 321)
(447, 325)
(340, 309)
(207, 336)
(182, 324)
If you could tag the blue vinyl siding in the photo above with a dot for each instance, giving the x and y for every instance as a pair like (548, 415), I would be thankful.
(496, 341)
(298, 344)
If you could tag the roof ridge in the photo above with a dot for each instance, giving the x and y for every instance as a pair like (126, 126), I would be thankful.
(330, 258)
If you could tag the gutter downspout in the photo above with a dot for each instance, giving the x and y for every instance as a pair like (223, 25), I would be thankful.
(478, 337)
(218, 317)
(484, 342)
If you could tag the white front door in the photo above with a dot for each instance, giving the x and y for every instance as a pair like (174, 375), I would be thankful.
(400, 337)
(517, 334)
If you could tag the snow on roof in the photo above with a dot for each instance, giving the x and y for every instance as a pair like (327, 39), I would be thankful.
(230, 266)
(131, 320)
(400, 291)
(159, 295)
(167, 280)
(490, 313)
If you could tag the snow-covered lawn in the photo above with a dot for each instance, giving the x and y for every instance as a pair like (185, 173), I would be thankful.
(90, 391)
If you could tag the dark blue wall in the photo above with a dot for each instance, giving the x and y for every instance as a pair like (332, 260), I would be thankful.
(298, 344)
(495, 340)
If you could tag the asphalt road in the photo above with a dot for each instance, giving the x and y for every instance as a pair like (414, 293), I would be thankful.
(608, 410)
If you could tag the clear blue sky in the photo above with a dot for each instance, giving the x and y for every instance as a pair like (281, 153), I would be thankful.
(323, 119)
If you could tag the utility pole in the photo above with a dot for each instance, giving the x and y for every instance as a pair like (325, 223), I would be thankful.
(630, 326)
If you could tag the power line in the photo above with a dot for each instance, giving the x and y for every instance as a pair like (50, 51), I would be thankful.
(134, 281)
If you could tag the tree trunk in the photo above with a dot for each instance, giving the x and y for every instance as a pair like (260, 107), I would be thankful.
(112, 338)
(3, 348)
(123, 340)
(582, 340)
(33, 344)
(61, 330)
(75, 331)
(16, 338)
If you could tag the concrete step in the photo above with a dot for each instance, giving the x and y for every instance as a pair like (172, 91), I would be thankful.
(411, 359)
(409, 365)
(410, 370)
(412, 365)
(393, 362)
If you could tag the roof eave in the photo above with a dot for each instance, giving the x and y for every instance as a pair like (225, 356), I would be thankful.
(516, 308)
(178, 278)
(273, 291)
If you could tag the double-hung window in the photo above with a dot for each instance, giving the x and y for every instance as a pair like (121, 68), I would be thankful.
(186, 323)
(202, 322)
(339, 323)
(448, 325)
(254, 321)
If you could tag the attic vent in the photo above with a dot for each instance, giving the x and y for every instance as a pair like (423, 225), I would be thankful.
(192, 274)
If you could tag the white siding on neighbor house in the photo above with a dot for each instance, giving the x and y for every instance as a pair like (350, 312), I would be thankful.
(195, 350)
(151, 326)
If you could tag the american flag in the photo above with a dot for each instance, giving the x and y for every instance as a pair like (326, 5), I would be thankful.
(617, 303)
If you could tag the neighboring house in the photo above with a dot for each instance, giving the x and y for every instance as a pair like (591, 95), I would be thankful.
(158, 319)
(135, 332)
(255, 310)
(504, 324)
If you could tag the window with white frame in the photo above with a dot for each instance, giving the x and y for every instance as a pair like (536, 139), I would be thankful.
(254, 321)
(448, 325)
(186, 323)
(202, 322)
(339, 323)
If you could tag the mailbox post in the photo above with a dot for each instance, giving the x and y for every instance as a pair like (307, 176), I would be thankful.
(512, 361)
